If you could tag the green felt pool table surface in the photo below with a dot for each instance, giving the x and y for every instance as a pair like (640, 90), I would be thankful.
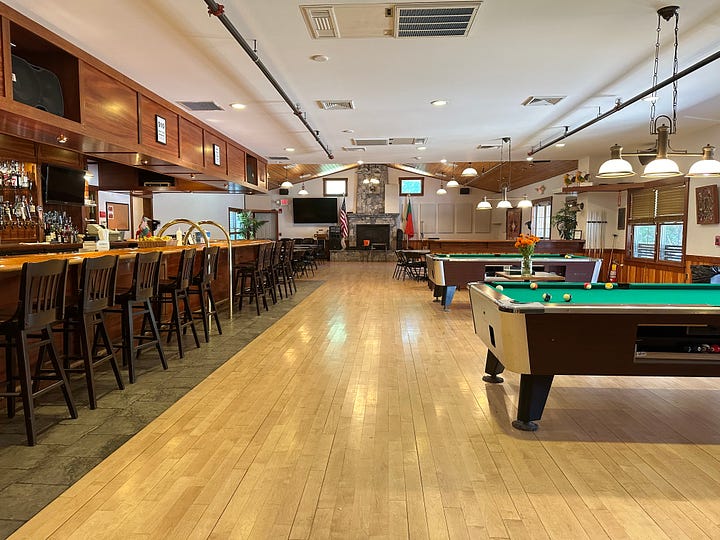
(621, 294)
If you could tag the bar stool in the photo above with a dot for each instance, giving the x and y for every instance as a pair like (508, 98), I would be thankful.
(174, 291)
(248, 280)
(267, 272)
(41, 305)
(201, 285)
(286, 256)
(276, 269)
(136, 302)
(96, 293)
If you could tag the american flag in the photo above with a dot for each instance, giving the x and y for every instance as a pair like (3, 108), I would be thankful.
(343, 220)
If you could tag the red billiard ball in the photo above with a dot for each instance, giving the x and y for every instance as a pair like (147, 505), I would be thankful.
(588, 285)
(533, 285)
(567, 297)
(609, 286)
(546, 297)
(716, 348)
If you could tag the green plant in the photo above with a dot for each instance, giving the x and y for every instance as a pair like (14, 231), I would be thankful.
(565, 221)
(249, 224)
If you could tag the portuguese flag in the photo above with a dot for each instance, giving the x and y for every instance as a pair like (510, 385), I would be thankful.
(409, 228)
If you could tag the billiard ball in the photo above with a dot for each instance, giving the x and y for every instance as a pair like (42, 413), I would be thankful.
(716, 348)
(568, 256)
(500, 288)
(567, 297)
(588, 286)
(609, 286)
(546, 297)
(533, 285)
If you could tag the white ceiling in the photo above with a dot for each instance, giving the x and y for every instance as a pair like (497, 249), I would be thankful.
(591, 52)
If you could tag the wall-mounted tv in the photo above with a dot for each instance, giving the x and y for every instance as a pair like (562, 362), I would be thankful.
(61, 185)
(315, 210)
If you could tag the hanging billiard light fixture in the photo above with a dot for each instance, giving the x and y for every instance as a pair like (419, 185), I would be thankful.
(452, 182)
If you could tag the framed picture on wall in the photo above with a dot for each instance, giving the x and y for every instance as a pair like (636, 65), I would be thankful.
(706, 203)
(160, 130)
(577, 234)
(513, 222)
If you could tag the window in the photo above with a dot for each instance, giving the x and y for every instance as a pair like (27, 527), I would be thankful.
(334, 186)
(235, 225)
(541, 214)
(412, 186)
(657, 222)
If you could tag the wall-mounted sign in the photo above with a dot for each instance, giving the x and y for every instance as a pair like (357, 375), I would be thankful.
(160, 131)
(216, 155)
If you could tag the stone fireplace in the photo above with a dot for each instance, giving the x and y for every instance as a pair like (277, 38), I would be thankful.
(372, 236)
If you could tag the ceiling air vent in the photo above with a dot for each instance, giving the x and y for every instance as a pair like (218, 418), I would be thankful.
(542, 101)
(435, 20)
(279, 158)
(488, 146)
(407, 140)
(336, 104)
(201, 105)
(353, 148)
(369, 142)
(321, 21)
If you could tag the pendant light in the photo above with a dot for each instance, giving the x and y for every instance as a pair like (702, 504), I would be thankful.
(662, 166)
(452, 182)
(441, 190)
(287, 184)
(616, 166)
(707, 167)
(484, 204)
(303, 191)
(525, 202)
(469, 171)
(504, 203)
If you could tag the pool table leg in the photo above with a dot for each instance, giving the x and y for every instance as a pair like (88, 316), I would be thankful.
(447, 297)
(438, 291)
(493, 367)
(534, 390)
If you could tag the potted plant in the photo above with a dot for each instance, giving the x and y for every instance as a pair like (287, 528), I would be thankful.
(565, 221)
(249, 224)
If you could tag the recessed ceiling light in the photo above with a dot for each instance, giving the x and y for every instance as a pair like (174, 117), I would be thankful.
(62, 138)
(320, 58)
(560, 145)
(348, 131)
(418, 158)
(238, 106)
(422, 147)
(439, 102)
(289, 149)
(443, 161)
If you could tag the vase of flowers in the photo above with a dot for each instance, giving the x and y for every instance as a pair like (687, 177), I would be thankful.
(525, 243)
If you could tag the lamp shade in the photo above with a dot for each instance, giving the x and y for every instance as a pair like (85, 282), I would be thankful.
(504, 204)
(441, 190)
(484, 204)
(303, 191)
(525, 202)
(452, 183)
(286, 184)
(661, 168)
(706, 167)
(616, 166)
(469, 171)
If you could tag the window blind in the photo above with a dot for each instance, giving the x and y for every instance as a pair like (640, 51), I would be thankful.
(671, 202)
(642, 205)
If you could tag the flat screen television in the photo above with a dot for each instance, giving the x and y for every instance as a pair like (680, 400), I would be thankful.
(61, 185)
(315, 210)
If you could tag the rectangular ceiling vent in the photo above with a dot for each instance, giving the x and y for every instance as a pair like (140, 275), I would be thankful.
(407, 140)
(321, 21)
(447, 19)
(279, 158)
(353, 148)
(201, 105)
(336, 104)
(369, 142)
(488, 146)
(542, 101)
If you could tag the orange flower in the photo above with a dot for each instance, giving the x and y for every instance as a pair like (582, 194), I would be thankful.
(526, 244)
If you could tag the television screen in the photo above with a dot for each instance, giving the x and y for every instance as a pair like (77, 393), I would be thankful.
(62, 186)
(315, 210)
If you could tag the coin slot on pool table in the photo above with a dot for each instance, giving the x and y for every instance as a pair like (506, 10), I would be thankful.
(681, 344)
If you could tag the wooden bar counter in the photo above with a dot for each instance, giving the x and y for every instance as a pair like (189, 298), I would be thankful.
(503, 246)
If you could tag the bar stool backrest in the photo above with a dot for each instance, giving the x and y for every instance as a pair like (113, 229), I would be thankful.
(146, 275)
(269, 252)
(185, 268)
(42, 293)
(262, 250)
(277, 252)
(288, 247)
(208, 270)
(97, 283)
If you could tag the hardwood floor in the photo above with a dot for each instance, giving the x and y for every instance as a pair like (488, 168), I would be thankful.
(362, 413)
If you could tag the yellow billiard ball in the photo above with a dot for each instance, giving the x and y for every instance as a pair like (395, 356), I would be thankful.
(568, 256)
(588, 286)
(533, 285)
(609, 286)
(567, 297)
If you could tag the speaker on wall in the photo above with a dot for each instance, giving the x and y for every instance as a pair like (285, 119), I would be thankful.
(464, 191)
(284, 191)
(36, 86)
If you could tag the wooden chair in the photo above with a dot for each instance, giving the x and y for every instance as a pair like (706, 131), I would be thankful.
(201, 285)
(248, 280)
(41, 305)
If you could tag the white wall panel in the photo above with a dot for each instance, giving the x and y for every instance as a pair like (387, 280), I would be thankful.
(463, 217)
(482, 220)
(428, 218)
(446, 218)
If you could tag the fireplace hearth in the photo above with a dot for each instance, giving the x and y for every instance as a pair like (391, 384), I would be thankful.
(369, 236)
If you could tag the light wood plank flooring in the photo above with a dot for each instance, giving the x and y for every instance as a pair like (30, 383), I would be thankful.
(362, 414)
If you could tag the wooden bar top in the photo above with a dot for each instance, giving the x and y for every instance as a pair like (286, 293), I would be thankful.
(14, 263)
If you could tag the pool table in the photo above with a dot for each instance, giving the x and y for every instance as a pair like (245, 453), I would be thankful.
(630, 329)
(447, 272)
